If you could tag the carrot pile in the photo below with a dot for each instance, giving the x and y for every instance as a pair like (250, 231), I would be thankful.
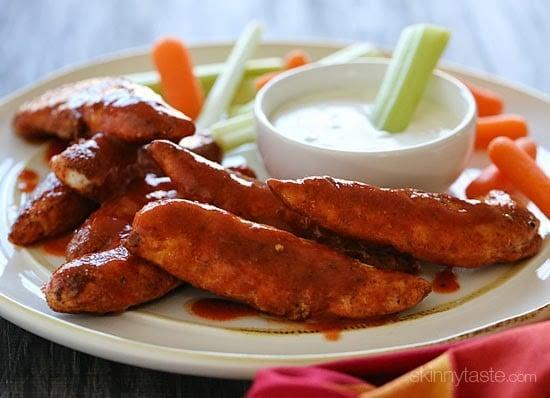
(180, 87)
(512, 153)
(488, 103)
(492, 178)
(522, 171)
(490, 127)
(293, 59)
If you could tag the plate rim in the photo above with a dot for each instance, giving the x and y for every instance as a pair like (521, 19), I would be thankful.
(236, 365)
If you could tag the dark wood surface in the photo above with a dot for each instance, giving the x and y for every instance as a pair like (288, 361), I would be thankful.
(508, 38)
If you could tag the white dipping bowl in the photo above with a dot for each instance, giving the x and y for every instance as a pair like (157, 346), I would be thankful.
(431, 166)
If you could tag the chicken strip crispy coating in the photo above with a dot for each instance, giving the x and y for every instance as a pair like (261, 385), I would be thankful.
(52, 209)
(101, 276)
(267, 268)
(432, 227)
(198, 179)
(113, 105)
(98, 167)
(105, 282)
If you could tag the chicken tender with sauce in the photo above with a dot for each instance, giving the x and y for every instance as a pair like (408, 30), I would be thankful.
(112, 105)
(267, 268)
(51, 210)
(432, 227)
(198, 179)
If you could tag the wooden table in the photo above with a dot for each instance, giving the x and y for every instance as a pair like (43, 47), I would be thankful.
(508, 38)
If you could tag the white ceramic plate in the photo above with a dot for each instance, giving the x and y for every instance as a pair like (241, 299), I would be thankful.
(165, 335)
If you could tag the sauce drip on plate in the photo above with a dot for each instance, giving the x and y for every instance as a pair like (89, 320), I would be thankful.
(27, 180)
(332, 330)
(221, 310)
(57, 246)
(445, 281)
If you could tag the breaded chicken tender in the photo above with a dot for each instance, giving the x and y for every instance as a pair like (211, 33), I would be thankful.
(432, 227)
(267, 268)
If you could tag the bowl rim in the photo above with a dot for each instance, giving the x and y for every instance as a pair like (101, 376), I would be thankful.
(262, 118)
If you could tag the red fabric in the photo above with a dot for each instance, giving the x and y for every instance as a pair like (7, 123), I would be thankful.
(517, 353)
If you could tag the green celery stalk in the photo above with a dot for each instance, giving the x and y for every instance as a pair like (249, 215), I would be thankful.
(208, 73)
(350, 53)
(246, 91)
(237, 138)
(226, 84)
(234, 131)
(241, 109)
(411, 67)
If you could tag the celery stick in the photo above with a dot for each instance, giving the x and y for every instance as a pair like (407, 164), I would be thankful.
(350, 53)
(236, 138)
(246, 91)
(234, 131)
(232, 124)
(208, 73)
(226, 84)
(415, 57)
(241, 109)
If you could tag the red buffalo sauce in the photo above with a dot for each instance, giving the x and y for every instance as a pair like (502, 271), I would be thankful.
(332, 330)
(55, 147)
(57, 246)
(445, 281)
(221, 310)
(27, 180)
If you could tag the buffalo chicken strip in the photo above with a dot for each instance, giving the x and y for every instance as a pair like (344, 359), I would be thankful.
(101, 276)
(104, 282)
(113, 105)
(267, 268)
(52, 209)
(432, 227)
(98, 167)
(198, 179)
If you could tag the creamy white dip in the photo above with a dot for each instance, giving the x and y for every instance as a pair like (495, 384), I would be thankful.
(340, 120)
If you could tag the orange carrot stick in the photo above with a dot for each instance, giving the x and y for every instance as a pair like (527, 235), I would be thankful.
(296, 58)
(523, 171)
(263, 79)
(180, 87)
(507, 125)
(491, 177)
(293, 59)
(488, 102)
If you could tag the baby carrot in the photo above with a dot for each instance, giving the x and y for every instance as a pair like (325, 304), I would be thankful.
(488, 102)
(263, 79)
(296, 58)
(491, 177)
(523, 171)
(507, 125)
(293, 59)
(180, 87)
